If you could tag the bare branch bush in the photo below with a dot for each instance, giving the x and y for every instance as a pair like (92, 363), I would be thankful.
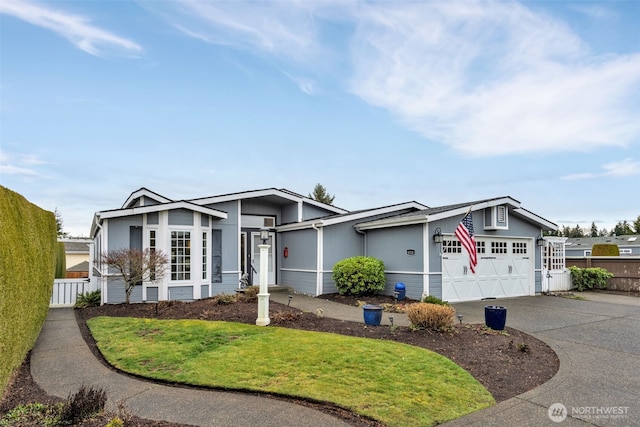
(136, 266)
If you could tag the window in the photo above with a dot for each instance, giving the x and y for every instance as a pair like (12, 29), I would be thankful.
(451, 247)
(180, 255)
(480, 247)
(216, 256)
(204, 255)
(152, 249)
(498, 247)
(502, 214)
(519, 247)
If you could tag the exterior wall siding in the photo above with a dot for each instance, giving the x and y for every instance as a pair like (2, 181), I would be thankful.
(341, 241)
(118, 231)
(313, 212)
(180, 293)
(302, 247)
(412, 282)
(289, 214)
(204, 291)
(152, 293)
(181, 217)
(391, 246)
(302, 282)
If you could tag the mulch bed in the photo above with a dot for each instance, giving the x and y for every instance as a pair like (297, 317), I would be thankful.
(507, 363)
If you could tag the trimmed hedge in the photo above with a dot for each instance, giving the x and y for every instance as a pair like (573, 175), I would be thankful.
(28, 245)
(589, 278)
(61, 261)
(359, 275)
(605, 249)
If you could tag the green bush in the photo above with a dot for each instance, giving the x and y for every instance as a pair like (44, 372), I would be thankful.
(88, 299)
(27, 269)
(605, 249)
(589, 278)
(61, 261)
(430, 299)
(359, 275)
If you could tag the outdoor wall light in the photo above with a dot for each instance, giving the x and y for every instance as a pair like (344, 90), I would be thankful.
(437, 237)
(540, 241)
(264, 235)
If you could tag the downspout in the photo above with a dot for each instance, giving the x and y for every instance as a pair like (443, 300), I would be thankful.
(319, 259)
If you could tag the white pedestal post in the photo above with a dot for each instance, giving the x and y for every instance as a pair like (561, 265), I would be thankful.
(263, 296)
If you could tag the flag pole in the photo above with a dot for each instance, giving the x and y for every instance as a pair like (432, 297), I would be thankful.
(468, 211)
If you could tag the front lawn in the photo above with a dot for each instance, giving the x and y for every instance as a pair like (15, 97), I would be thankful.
(394, 383)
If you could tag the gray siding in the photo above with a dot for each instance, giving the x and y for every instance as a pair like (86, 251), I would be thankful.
(180, 217)
(118, 235)
(341, 241)
(204, 291)
(289, 214)
(302, 246)
(328, 284)
(260, 207)
(228, 286)
(149, 201)
(412, 282)
(204, 220)
(152, 293)
(435, 285)
(181, 293)
(391, 246)
(230, 240)
(313, 212)
(301, 282)
(116, 292)
(152, 218)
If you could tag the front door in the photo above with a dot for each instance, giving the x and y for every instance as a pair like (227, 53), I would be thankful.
(255, 258)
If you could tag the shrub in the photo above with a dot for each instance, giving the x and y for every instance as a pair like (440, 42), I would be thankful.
(27, 269)
(250, 293)
(359, 275)
(83, 404)
(605, 249)
(430, 316)
(589, 278)
(88, 299)
(61, 261)
(225, 299)
(434, 300)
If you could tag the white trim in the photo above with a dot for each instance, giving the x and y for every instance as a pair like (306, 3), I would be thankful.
(299, 270)
(403, 272)
(426, 244)
(263, 193)
(319, 222)
(239, 245)
(159, 208)
(145, 192)
(319, 260)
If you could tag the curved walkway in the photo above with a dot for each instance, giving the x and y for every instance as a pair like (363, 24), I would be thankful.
(598, 343)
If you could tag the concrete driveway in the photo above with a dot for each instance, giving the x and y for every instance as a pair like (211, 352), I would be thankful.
(598, 343)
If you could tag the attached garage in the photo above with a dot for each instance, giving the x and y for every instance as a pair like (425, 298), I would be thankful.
(505, 269)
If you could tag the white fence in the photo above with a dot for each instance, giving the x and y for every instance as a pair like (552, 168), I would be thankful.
(65, 291)
(554, 281)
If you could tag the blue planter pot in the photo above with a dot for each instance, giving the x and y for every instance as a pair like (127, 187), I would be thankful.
(495, 316)
(372, 314)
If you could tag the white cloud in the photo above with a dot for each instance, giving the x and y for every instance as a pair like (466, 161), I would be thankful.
(623, 168)
(494, 78)
(486, 78)
(77, 29)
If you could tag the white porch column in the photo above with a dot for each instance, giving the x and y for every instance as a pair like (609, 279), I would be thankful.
(263, 296)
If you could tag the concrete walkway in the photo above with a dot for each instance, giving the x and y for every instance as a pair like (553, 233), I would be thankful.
(597, 341)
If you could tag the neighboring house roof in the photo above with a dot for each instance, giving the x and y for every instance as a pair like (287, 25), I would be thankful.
(350, 216)
(586, 243)
(83, 266)
(276, 195)
(458, 209)
(76, 246)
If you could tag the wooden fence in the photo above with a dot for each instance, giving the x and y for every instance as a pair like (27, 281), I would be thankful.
(65, 291)
(625, 270)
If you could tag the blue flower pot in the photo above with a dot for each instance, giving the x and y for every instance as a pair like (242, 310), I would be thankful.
(372, 314)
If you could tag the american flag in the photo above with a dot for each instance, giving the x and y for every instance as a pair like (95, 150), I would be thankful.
(464, 233)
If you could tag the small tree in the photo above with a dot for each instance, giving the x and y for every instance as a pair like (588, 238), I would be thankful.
(136, 266)
(60, 224)
(320, 194)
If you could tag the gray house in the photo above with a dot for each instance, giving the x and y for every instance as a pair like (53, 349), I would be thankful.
(581, 246)
(212, 241)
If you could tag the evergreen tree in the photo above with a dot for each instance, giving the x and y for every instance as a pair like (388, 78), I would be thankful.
(636, 225)
(320, 194)
(59, 224)
(594, 230)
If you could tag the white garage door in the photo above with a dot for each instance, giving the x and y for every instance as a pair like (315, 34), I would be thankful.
(505, 269)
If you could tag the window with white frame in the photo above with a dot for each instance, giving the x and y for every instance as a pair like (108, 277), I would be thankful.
(180, 255)
(204, 256)
(152, 249)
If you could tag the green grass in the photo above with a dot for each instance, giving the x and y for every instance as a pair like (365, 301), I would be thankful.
(392, 382)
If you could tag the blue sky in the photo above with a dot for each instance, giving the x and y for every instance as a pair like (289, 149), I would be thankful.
(381, 102)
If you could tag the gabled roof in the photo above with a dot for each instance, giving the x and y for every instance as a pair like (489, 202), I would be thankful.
(458, 209)
(144, 192)
(181, 204)
(350, 216)
(274, 193)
